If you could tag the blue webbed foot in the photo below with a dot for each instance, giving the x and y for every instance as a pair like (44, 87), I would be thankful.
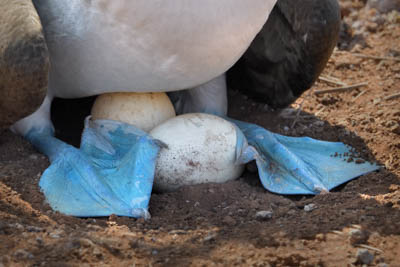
(112, 172)
(300, 165)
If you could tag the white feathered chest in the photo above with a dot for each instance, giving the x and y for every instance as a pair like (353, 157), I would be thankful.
(145, 45)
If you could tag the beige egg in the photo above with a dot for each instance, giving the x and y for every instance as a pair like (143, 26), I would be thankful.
(201, 149)
(143, 110)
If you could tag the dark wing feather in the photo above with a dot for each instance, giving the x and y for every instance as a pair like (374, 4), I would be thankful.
(289, 53)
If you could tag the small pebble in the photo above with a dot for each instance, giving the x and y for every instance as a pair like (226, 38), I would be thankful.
(34, 229)
(319, 123)
(357, 236)
(310, 207)
(210, 237)
(33, 157)
(264, 215)
(56, 234)
(320, 237)
(177, 232)
(85, 242)
(16, 226)
(25, 235)
(357, 24)
(364, 256)
(97, 252)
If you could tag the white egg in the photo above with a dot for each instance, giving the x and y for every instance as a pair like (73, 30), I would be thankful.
(201, 149)
(143, 110)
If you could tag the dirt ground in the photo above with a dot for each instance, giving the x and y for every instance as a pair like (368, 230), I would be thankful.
(206, 225)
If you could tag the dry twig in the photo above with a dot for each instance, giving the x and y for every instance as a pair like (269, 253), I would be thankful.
(299, 108)
(391, 97)
(370, 248)
(376, 57)
(319, 111)
(330, 80)
(340, 89)
(337, 232)
(368, 56)
(360, 94)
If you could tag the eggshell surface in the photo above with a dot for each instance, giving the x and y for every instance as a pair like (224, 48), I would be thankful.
(143, 110)
(201, 149)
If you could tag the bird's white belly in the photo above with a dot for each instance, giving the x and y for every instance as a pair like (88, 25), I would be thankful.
(148, 46)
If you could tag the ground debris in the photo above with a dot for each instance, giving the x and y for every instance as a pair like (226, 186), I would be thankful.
(364, 256)
(216, 224)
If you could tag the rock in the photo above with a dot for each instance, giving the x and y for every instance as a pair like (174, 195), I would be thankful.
(364, 256)
(210, 237)
(310, 207)
(24, 61)
(56, 234)
(177, 232)
(264, 215)
(17, 226)
(85, 242)
(320, 237)
(384, 6)
(371, 26)
(97, 252)
(33, 157)
(34, 229)
(357, 236)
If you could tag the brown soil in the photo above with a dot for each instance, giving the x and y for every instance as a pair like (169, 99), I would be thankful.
(217, 224)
